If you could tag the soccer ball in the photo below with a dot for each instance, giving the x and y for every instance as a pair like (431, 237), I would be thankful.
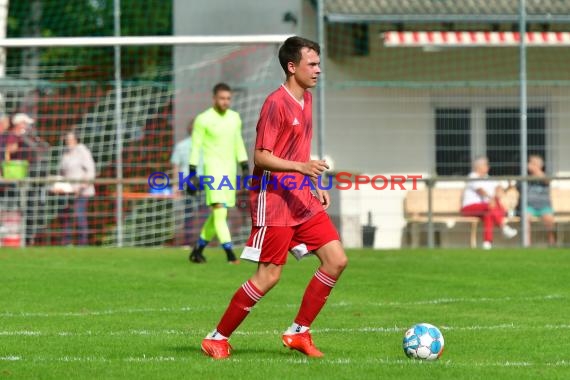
(423, 341)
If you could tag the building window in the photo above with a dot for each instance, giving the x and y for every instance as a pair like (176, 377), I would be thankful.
(453, 141)
(503, 138)
(360, 39)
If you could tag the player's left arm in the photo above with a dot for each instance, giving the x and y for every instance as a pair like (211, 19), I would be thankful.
(323, 196)
(241, 152)
(198, 136)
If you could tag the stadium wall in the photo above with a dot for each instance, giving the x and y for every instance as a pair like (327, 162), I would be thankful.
(220, 17)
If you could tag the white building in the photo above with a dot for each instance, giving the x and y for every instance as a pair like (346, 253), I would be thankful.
(400, 110)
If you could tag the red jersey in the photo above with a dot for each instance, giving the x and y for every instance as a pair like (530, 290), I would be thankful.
(285, 127)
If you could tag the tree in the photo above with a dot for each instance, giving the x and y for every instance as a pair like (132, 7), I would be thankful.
(78, 18)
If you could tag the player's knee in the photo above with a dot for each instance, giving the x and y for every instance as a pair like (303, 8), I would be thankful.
(344, 262)
(267, 279)
(337, 265)
(267, 282)
(341, 263)
(273, 279)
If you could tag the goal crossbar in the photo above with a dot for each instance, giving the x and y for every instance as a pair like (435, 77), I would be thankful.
(140, 40)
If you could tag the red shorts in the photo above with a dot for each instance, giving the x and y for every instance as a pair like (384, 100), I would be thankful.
(270, 244)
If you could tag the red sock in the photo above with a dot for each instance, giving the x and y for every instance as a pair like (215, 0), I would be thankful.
(243, 300)
(315, 297)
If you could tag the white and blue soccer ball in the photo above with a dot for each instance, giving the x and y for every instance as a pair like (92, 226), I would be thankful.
(423, 341)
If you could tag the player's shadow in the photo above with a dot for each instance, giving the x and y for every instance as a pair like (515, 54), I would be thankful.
(184, 349)
(242, 350)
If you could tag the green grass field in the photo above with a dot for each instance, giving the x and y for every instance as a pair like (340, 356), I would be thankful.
(141, 313)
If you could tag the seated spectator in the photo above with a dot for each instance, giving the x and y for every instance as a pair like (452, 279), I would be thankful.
(538, 202)
(481, 198)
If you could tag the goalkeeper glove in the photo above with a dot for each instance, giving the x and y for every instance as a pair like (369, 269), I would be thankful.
(244, 174)
(244, 168)
(192, 186)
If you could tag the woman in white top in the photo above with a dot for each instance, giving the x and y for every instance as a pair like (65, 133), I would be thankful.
(481, 198)
(77, 164)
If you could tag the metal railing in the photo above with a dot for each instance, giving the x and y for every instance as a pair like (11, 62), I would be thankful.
(154, 219)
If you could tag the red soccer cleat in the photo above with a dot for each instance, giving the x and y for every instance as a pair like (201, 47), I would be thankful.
(302, 342)
(216, 349)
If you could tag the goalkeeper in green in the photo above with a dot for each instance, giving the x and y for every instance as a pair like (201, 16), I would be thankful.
(217, 136)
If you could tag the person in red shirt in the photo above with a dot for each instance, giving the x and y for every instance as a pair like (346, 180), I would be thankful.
(286, 215)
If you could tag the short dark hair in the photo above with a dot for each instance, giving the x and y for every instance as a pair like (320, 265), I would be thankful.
(74, 133)
(221, 87)
(290, 51)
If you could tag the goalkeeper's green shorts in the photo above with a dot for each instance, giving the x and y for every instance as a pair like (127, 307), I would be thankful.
(224, 196)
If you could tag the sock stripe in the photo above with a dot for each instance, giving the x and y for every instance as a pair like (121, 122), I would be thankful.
(251, 292)
(325, 279)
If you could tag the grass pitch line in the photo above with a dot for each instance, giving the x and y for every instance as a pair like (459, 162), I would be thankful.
(367, 329)
(296, 360)
(89, 313)
(10, 358)
(438, 301)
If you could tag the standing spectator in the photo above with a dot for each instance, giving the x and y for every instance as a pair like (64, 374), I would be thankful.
(77, 164)
(24, 144)
(179, 160)
(481, 198)
(539, 204)
(217, 138)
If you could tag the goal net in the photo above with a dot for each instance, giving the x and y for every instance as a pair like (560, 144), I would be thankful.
(162, 88)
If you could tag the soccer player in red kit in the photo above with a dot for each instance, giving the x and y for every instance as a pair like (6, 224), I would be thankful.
(286, 216)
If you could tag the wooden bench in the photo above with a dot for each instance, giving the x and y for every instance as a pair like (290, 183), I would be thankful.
(446, 204)
(561, 205)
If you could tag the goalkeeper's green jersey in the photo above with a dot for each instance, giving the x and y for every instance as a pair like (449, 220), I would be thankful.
(218, 139)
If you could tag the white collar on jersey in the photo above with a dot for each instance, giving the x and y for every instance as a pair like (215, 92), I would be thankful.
(301, 102)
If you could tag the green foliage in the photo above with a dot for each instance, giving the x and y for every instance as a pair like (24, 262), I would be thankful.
(90, 18)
